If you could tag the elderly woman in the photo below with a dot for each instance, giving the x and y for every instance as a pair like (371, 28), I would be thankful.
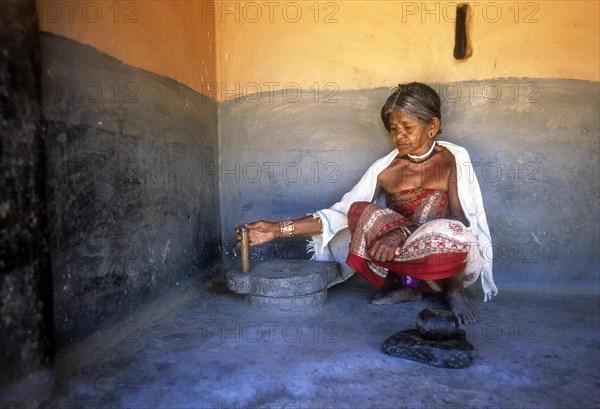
(431, 237)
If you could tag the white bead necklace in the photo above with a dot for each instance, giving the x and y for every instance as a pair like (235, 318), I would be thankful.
(424, 155)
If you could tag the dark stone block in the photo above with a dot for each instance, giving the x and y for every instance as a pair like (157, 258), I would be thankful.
(25, 276)
(437, 324)
(455, 352)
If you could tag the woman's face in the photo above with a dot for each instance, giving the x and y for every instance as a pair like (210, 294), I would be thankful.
(411, 135)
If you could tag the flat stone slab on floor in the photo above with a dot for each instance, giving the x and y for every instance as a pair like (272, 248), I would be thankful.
(454, 352)
(284, 285)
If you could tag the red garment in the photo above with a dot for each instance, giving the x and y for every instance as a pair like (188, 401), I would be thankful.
(433, 252)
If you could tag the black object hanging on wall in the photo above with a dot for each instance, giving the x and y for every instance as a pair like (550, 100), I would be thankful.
(462, 36)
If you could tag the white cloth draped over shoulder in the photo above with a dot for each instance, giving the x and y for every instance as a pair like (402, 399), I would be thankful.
(333, 242)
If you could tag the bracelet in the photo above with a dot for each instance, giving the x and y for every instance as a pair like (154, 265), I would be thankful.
(406, 231)
(286, 228)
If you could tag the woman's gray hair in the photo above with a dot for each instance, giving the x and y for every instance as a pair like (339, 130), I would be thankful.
(416, 99)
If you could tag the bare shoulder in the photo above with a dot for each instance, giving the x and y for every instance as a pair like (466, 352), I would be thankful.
(446, 159)
(390, 170)
(392, 166)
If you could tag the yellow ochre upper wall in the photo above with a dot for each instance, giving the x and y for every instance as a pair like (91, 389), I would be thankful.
(367, 44)
(167, 37)
(264, 45)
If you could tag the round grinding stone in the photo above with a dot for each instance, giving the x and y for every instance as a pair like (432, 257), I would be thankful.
(289, 304)
(286, 285)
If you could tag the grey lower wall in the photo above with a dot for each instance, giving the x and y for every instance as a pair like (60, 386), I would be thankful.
(131, 214)
(534, 144)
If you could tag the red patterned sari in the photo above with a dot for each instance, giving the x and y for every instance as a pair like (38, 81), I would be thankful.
(438, 249)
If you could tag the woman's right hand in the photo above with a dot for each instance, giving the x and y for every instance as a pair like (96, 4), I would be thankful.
(260, 232)
(386, 247)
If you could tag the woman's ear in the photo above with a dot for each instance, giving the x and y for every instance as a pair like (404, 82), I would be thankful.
(434, 126)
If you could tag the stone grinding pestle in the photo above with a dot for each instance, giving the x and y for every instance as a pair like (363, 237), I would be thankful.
(245, 250)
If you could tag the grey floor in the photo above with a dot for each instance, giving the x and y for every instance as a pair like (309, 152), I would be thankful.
(203, 347)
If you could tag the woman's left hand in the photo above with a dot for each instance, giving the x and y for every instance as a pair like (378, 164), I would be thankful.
(384, 248)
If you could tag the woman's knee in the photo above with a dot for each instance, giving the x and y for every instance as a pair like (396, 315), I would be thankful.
(358, 206)
(354, 213)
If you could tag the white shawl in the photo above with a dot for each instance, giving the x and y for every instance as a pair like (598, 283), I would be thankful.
(335, 220)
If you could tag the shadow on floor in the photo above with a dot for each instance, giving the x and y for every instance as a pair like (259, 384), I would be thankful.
(204, 347)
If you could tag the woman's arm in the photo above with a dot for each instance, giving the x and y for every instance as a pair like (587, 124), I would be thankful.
(262, 231)
(456, 212)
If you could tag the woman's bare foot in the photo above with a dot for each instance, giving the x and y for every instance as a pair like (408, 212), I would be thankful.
(459, 305)
(390, 284)
(457, 302)
(398, 296)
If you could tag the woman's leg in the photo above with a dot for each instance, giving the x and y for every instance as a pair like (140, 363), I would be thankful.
(457, 301)
(367, 223)
(393, 292)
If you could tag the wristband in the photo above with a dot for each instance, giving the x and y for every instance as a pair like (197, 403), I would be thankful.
(286, 228)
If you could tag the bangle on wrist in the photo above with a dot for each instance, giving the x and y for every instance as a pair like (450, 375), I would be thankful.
(406, 231)
(286, 228)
